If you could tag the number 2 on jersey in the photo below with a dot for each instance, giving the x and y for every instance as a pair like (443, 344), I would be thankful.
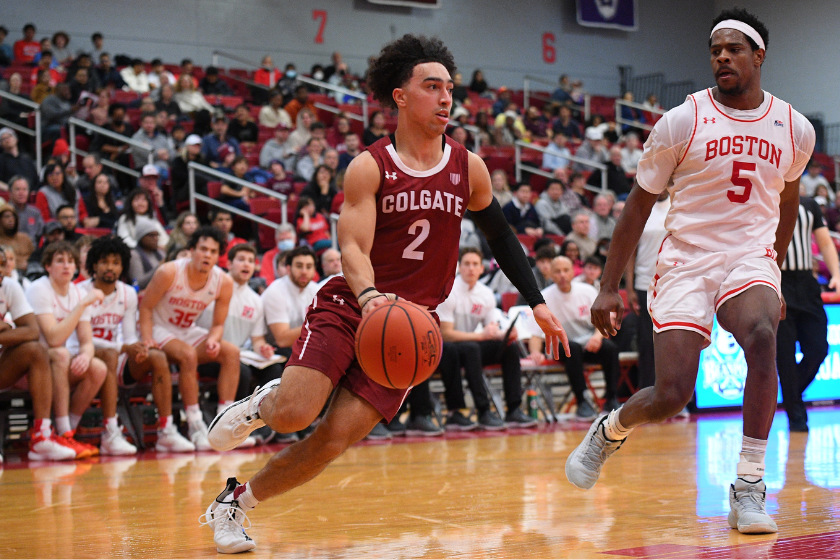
(738, 181)
(410, 251)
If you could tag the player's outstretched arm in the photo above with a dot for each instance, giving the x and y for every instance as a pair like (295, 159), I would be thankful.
(608, 308)
(487, 215)
(161, 281)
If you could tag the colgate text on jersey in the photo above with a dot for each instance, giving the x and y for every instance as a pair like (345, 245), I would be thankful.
(406, 201)
(746, 145)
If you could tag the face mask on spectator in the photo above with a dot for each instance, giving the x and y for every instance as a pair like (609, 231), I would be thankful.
(291, 73)
(286, 245)
(318, 75)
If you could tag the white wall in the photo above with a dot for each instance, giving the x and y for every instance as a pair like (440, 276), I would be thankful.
(502, 37)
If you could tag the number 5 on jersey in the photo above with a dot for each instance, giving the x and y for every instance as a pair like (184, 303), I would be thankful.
(738, 181)
(411, 251)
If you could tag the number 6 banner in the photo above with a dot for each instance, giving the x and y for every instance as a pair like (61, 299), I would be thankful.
(611, 14)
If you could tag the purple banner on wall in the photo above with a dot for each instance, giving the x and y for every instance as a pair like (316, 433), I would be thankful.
(612, 14)
(409, 3)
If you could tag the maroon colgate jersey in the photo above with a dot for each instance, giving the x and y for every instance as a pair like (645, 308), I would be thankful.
(418, 223)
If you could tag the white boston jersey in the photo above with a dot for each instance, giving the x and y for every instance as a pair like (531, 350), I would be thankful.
(725, 169)
(43, 299)
(12, 300)
(180, 306)
(114, 320)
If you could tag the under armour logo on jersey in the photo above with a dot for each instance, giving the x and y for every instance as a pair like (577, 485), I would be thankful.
(707, 120)
(455, 178)
(391, 176)
(337, 299)
(779, 123)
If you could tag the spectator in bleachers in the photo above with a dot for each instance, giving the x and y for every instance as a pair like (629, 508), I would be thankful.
(63, 316)
(520, 213)
(557, 153)
(575, 196)
(561, 94)
(13, 161)
(26, 48)
(83, 60)
(617, 208)
(138, 203)
(179, 171)
(106, 74)
(68, 218)
(243, 127)
(162, 148)
(6, 51)
(592, 148)
(91, 166)
(54, 193)
(478, 84)
(30, 220)
(542, 266)
(312, 226)
(566, 125)
(460, 93)
(553, 213)
(651, 103)
(809, 181)
(306, 163)
(148, 181)
(330, 265)
(11, 236)
(135, 77)
(279, 182)
(461, 115)
(631, 153)
(501, 189)
(219, 138)
(288, 82)
(602, 223)
(278, 148)
(42, 88)
(302, 133)
(212, 84)
(82, 245)
(52, 232)
(486, 133)
(285, 240)
(146, 254)
(331, 159)
(160, 75)
(222, 220)
(189, 99)
(97, 41)
(274, 114)
(12, 110)
(376, 129)
(167, 102)
(300, 101)
(80, 84)
(535, 123)
(581, 226)
(352, 148)
(508, 128)
(187, 69)
(114, 149)
(593, 266)
(100, 205)
(45, 64)
(321, 188)
(267, 75)
(185, 225)
(617, 180)
(502, 103)
(469, 305)
(232, 193)
(338, 132)
(459, 134)
(571, 303)
(287, 299)
(632, 114)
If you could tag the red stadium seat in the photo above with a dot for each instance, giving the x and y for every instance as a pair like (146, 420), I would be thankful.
(214, 189)
(509, 300)
(262, 205)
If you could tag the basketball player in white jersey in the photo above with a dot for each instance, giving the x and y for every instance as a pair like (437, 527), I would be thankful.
(177, 294)
(730, 157)
(114, 323)
(23, 355)
(63, 315)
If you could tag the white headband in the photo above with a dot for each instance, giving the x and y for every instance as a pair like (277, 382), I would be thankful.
(744, 28)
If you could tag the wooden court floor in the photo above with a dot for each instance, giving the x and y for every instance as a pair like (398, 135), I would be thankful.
(664, 495)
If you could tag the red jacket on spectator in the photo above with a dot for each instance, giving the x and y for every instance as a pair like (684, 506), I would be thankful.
(25, 51)
(264, 77)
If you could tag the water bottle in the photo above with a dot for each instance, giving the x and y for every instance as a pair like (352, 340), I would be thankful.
(533, 409)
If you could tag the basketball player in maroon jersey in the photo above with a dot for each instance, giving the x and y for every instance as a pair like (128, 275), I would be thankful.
(399, 232)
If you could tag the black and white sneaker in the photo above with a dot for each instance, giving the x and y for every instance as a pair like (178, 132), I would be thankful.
(396, 427)
(489, 420)
(457, 422)
(228, 521)
(422, 426)
(518, 419)
(379, 433)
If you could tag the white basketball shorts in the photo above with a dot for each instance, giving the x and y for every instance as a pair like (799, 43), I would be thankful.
(192, 336)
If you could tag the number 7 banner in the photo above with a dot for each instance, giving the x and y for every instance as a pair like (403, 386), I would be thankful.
(612, 14)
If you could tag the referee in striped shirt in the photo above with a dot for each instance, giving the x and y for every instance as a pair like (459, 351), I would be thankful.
(806, 320)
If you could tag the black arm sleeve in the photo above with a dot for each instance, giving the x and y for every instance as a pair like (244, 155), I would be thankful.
(508, 252)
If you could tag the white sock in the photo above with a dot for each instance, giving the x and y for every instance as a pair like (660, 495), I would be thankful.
(613, 428)
(245, 497)
(751, 467)
(164, 422)
(62, 424)
(74, 420)
(194, 414)
(222, 405)
(111, 424)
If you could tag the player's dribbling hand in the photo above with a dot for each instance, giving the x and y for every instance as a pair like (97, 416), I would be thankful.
(212, 347)
(80, 364)
(606, 310)
(554, 333)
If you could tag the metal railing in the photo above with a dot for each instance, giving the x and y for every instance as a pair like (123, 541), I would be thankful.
(621, 121)
(36, 109)
(520, 167)
(73, 122)
(194, 167)
(303, 79)
(646, 84)
(674, 93)
(336, 110)
(527, 91)
(334, 230)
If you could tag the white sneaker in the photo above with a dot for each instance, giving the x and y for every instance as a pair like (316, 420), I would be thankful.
(235, 423)
(747, 512)
(114, 443)
(228, 520)
(49, 449)
(249, 442)
(170, 440)
(584, 464)
(198, 436)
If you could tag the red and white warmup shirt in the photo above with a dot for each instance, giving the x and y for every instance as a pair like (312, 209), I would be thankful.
(180, 306)
(725, 169)
(44, 299)
(114, 320)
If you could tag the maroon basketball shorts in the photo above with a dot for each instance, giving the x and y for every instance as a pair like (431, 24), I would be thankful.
(327, 344)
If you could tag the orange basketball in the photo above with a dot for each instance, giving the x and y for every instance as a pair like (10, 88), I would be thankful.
(398, 345)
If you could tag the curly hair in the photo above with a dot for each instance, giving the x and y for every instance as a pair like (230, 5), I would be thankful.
(396, 61)
(105, 246)
(741, 14)
(208, 232)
